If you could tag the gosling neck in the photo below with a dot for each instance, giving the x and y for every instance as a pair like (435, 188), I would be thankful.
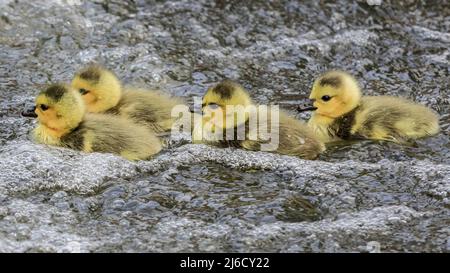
(56, 132)
(45, 135)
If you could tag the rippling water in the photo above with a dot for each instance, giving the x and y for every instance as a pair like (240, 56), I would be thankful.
(199, 198)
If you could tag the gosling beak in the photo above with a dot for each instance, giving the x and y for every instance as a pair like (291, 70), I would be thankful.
(28, 111)
(306, 107)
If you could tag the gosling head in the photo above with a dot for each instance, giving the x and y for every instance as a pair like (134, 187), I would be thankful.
(335, 93)
(99, 88)
(59, 109)
(216, 100)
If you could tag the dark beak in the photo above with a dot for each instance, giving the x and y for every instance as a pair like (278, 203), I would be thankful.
(306, 107)
(29, 111)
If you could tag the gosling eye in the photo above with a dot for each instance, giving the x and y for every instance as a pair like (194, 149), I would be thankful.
(326, 98)
(83, 91)
(213, 106)
(43, 107)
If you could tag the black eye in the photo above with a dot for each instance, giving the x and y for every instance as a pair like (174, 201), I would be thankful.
(213, 106)
(326, 98)
(83, 91)
(43, 107)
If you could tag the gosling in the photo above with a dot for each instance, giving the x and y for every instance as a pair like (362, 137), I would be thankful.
(342, 113)
(102, 92)
(62, 121)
